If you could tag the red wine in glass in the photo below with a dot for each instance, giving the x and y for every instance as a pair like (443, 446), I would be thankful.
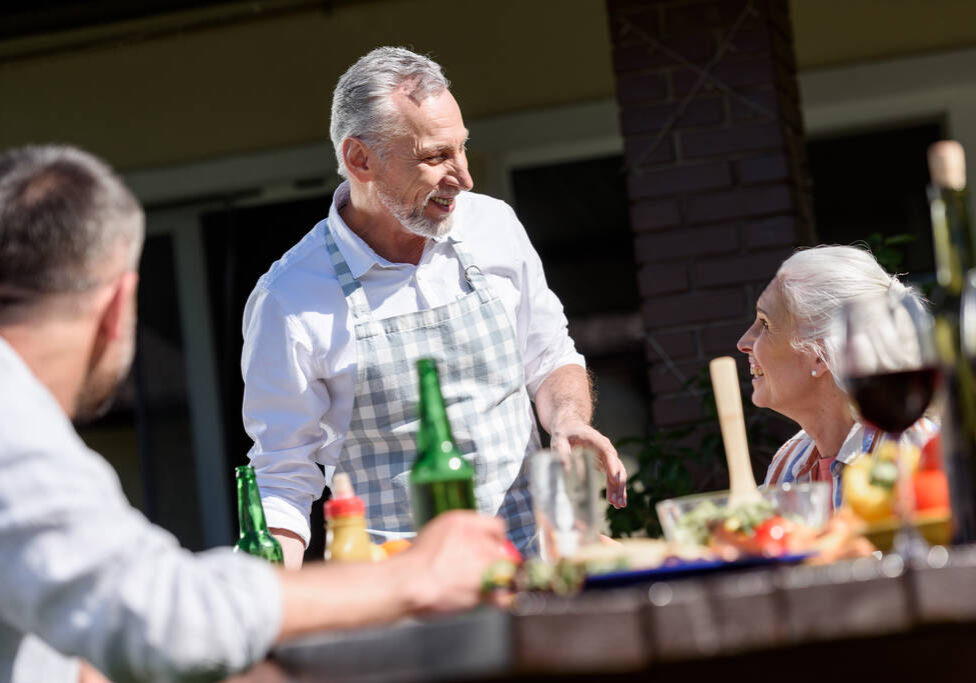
(893, 401)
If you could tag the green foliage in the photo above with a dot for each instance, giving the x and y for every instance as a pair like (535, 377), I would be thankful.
(682, 460)
(889, 250)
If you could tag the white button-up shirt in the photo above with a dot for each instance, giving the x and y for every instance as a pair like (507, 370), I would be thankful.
(87, 574)
(299, 360)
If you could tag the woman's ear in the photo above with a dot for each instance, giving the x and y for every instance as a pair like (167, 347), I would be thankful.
(818, 367)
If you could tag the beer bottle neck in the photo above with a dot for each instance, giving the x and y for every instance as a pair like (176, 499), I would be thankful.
(952, 238)
(249, 509)
(434, 437)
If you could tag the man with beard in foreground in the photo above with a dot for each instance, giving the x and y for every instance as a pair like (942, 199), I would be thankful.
(408, 264)
(85, 575)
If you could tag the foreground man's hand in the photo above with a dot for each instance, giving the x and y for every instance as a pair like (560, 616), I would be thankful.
(441, 572)
(449, 558)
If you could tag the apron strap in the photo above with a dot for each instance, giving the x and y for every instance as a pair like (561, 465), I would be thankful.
(351, 288)
(472, 273)
(356, 297)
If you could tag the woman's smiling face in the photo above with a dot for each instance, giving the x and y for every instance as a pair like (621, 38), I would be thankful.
(781, 378)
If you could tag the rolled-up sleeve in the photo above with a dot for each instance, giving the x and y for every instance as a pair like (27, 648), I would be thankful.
(286, 402)
(542, 324)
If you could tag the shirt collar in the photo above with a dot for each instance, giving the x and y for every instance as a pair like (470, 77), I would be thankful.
(854, 444)
(359, 256)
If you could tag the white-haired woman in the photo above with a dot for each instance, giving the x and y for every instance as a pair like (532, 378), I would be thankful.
(792, 349)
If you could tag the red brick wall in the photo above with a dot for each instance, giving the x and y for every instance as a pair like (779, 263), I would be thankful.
(709, 109)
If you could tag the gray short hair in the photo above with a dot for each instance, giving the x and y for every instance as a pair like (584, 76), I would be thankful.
(62, 212)
(361, 105)
(816, 284)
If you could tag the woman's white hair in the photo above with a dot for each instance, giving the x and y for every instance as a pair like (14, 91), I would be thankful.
(361, 103)
(817, 283)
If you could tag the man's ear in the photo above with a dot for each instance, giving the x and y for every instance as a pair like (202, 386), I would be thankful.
(113, 320)
(359, 159)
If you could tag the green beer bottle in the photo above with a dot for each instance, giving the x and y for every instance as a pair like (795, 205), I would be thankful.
(440, 479)
(255, 539)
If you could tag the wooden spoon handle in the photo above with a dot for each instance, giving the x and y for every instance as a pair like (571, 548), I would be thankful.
(728, 400)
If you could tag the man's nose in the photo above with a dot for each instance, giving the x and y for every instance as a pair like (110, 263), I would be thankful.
(461, 175)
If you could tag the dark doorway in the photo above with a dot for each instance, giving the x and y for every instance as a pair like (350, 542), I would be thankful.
(576, 214)
(241, 244)
(874, 182)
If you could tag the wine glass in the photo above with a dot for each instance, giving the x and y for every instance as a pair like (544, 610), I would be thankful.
(889, 366)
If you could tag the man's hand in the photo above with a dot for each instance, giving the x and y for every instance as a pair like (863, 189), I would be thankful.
(569, 430)
(448, 559)
(564, 404)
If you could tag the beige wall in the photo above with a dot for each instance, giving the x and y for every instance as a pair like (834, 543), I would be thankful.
(267, 84)
(250, 86)
(835, 32)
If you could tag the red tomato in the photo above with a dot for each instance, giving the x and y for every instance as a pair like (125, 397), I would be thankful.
(931, 458)
(931, 490)
(511, 552)
(772, 536)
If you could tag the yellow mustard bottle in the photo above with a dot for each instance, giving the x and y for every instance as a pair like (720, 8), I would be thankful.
(346, 539)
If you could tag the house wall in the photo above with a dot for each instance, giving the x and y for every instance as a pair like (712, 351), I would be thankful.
(186, 88)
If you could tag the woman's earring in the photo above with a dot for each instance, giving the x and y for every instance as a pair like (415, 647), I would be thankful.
(813, 373)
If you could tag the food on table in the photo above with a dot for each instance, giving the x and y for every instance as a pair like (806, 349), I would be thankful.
(931, 490)
(870, 483)
(751, 528)
(500, 575)
(566, 576)
(396, 545)
(511, 552)
(842, 540)
(930, 483)
(869, 487)
(698, 525)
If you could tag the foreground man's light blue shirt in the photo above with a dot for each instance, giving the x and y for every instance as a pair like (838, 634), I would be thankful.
(85, 574)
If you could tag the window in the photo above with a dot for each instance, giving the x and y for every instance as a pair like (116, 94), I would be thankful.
(875, 182)
(576, 214)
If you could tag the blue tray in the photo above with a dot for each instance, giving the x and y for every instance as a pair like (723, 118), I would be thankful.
(681, 569)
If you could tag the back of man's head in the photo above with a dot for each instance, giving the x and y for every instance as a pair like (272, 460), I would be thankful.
(361, 103)
(64, 216)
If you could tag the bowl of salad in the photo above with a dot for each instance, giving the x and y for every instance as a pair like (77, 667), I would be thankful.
(781, 520)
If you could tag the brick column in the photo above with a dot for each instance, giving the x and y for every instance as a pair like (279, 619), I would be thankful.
(709, 109)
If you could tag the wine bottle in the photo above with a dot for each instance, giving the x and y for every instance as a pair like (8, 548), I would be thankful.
(255, 539)
(440, 479)
(953, 245)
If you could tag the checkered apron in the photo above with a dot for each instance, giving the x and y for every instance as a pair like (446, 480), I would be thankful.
(483, 384)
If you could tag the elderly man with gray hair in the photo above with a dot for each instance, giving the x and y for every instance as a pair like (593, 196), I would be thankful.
(84, 574)
(408, 264)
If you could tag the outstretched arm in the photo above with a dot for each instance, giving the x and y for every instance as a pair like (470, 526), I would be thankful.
(564, 404)
(440, 572)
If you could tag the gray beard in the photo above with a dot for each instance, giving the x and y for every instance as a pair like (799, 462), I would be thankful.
(415, 221)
